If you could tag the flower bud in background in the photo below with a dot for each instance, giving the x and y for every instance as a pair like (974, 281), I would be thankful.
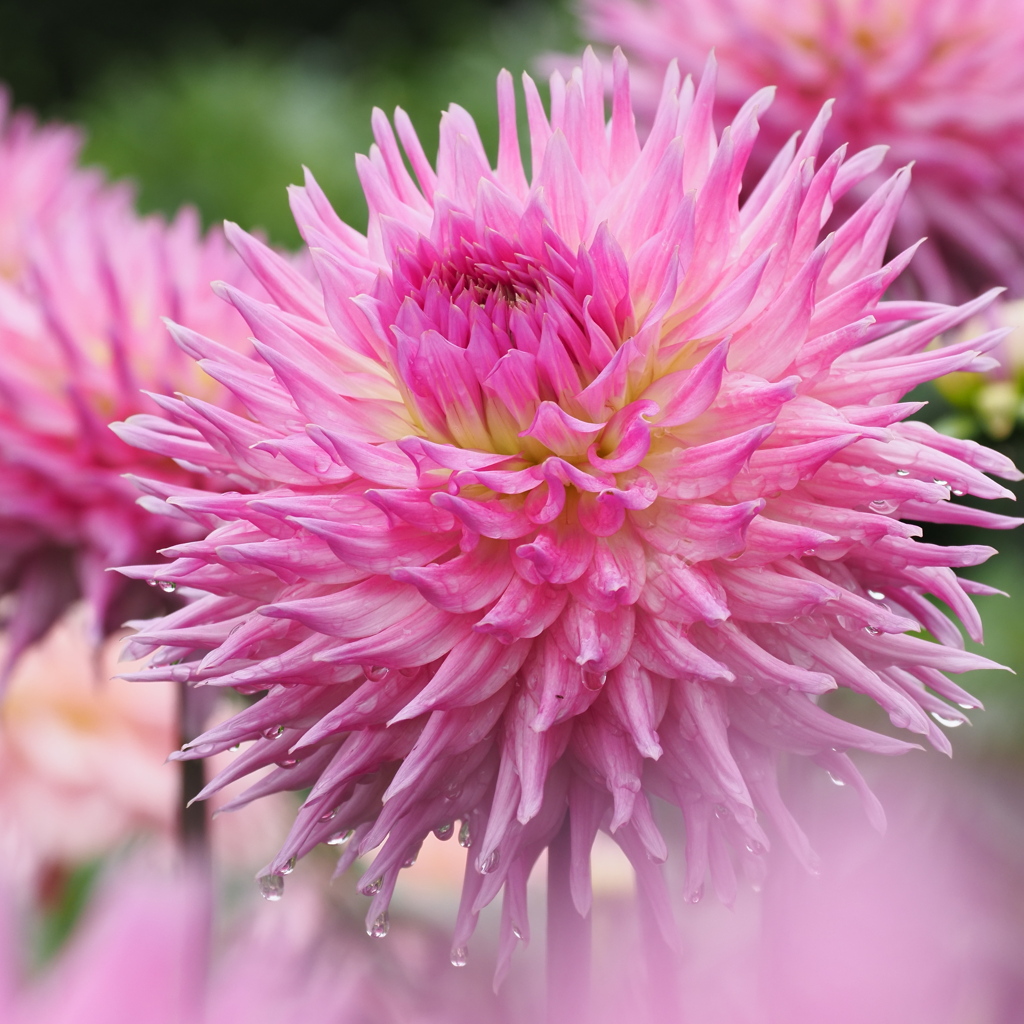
(989, 404)
(570, 490)
(84, 282)
(941, 84)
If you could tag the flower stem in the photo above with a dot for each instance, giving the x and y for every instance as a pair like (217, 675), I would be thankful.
(193, 832)
(568, 940)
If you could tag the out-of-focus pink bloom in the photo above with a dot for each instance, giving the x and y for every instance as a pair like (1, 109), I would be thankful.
(572, 490)
(940, 82)
(143, 955)
(922, 924)
(84, 282)
(82, 765)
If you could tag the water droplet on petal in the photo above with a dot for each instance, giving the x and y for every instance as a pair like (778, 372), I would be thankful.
(872, 630)
(235, 747)
(490, 863)
(957, 493)
(721, 811)
(271, 887)
(289, 867)
(903, 472)
(754, 847)
(168, 586)
(465, 836)
(876, 595)
(340, 838)
(380, 927)
(517, 932)
(967, 707)
(697, 895)
(445, 830)
(941, 483)
(460, 957)
(328, 816)
(594, 680)
(836, 780)
(288, 762)
(372, 888)
(409, 861)
(273, 732)
(949, 723)
(375, 673)
(879, 504)
(151, 583)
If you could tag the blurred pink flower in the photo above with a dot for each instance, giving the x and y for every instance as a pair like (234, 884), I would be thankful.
(940, 82)
(143, 955)
(572, 491)
(83, 766)
(83, 283)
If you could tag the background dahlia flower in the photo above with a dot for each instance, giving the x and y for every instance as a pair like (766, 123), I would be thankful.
(568, 490)
(940, 83)
(84, 282)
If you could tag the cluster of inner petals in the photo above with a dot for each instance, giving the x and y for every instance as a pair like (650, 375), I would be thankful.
(563, 493)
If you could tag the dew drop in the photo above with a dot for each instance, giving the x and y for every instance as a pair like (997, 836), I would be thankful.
(340, 838)
(903, 472)
(273, 732)
(409, 861)
(957, 493)
(490, 863)
(445, 830)
(876, 595)
(465, 836)
(872, 630)
(721, 811)
(836, 780)
(949, 723)
(151, 583)
(880, 504)
(380, 927)
(594, 680)
(234, 748)
(754, 847)
(697, 895)
(967, 707)
(375, 673)
(460, 957)
(328, 816)
(517, 932)
(271, 887)
(288, 762)
(941, 483)
(289, 867)
(372, 888)
(453, 790)
(168, 586)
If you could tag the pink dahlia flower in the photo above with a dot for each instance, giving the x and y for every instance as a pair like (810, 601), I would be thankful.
(940, 83)
(570, 489)
(84, 282)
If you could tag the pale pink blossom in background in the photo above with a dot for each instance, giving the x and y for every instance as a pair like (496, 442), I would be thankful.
(567, 490)
(83, 766)
(939, 82)
(84, 282)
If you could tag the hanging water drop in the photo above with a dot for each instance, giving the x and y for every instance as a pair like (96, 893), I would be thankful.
(903, 472)
(271, 887)
(465, 836)
(445, 830)
(168, 586)
(872, 630)
(289, 867)
(490, 863)
(957, 493)
(967, 707)
(594, 680)
(288, 762)
(941, 483)
(235, 747)
(372, 888)
(880, 504)
(340, 838)
(876, 595)
(380, 927)
(375, 673)
(754, 847)
(836, 780)
(151, 583)
(697, 895)
(273, 732)
(517, 932)
(328, 816)
(949, 723)
(460, 957)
